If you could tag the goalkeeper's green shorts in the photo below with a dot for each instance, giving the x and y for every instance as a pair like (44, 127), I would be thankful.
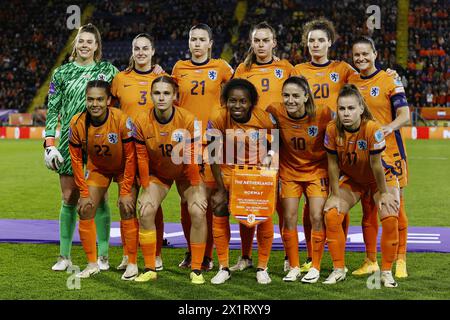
(63, 148)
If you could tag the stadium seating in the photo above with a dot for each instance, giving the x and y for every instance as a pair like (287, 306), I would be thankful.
(32, 35)
(28, 54)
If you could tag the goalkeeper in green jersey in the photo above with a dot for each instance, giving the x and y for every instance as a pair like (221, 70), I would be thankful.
(66, 97)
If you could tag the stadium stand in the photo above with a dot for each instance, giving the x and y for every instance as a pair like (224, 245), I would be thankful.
(32, 35)
(121, 21)
(28, 54)
(428, 72)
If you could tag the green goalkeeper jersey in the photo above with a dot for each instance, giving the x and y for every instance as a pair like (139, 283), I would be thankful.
(67, 92)
(67, 97)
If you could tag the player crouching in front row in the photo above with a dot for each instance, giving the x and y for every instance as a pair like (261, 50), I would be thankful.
(355, 145)
(101, 138)
(161, 131)
(239, 96)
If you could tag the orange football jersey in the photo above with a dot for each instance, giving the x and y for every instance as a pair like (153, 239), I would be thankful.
(200, 85)
(132, 90)
(268, 79)
(325, 80)
(244, 140)
(354, 149)
(379, 91)
(160, 140)
(302, 154)
(109, 147)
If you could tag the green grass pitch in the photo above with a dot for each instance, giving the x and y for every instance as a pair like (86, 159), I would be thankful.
(30, 191)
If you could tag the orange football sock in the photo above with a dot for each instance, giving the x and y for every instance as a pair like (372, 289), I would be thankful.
(88, 237)
(221, 235)
(186, 223)
(247, 235)
(307, 227)
(159, 223)
(318, 244)
(131, 236)
(402, 230)
(280, 218)
(209, 240)
(198, 251)
(147, 240)
(335, 237)
(389, 242)
(290, 241)
(122, 237)
(264, 236)
(346, 225)
(370, 226)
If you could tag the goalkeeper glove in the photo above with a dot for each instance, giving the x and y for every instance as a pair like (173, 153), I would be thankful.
(53, 159)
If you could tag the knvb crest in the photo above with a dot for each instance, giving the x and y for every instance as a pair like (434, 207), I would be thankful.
(374, 91)
(212, 74)
(101, 76)
(279, 73)
(362, 144)
(113, 138)
(313, 131)
(177, 136)
(254, 136)
(379, 136)
(334, 76)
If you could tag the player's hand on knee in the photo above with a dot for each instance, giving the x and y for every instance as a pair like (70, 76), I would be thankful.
(53, 158)
(218, 199)
(85, 206)
(145, 203)
(332, 202)
(388, 203)
(126, 204)
(197, 195)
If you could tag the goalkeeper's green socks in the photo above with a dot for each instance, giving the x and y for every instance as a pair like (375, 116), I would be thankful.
(103, 226)
(67, 223)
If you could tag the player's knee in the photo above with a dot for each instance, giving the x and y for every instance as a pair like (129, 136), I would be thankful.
(221, 210)
(126, 215)
(87, 213)
(148, 213)
(147, 223)
(368, 222)
(198, 216)
(290, 220)
(70, 196)
(385, 214)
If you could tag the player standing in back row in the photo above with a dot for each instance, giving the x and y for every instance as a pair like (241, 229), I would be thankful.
(268, 76)
(67, 97)
(387, 102)
(200, 80)
(131, 88)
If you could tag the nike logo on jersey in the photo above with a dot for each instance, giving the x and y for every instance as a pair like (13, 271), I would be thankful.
(248, 77)
(127, 85)
(184, 75)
